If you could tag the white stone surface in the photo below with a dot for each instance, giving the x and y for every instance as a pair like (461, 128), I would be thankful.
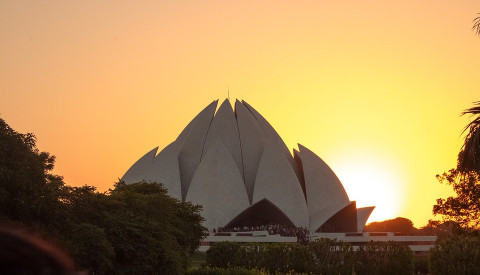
(252, 139)
(320, 216)
(218, 186)
(362, 216)
(273, 137)
(192, 145)
(322, 186)
(277, 182)
(224, 128)
(164, 169)
(138, 171)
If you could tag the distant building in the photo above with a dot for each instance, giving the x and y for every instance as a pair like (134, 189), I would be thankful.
(237, 167)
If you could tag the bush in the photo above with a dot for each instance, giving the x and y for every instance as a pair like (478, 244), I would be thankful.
(457, 254)
(324, 256)
(237, 271)
(332, 256)
(384, 258)
(421, 264)
(224, 271)
(222, 254)
(282, 257)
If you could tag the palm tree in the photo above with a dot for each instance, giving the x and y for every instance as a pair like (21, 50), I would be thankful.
(476, 25)
(469, 156)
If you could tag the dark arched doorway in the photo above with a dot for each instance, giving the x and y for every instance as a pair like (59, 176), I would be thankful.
(261, 213)
(344, 220)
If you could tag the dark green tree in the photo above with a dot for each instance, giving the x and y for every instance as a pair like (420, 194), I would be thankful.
(469, 156)
(464, 208)
(399, 224)
(152, 232)
(29, 192)
(132, 229)
(456, 254)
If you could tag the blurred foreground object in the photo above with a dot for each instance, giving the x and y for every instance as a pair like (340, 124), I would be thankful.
(22, 253)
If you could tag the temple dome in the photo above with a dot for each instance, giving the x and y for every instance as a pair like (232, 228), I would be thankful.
(237, 167)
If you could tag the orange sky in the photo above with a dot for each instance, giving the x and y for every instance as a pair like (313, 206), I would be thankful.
(375, 88)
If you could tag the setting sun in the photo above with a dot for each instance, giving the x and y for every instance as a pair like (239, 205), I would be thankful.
(372, 180)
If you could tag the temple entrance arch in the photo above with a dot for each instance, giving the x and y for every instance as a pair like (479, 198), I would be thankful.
(260, 213)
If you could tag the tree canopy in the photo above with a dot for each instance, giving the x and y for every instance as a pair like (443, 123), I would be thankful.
(131, 229)
(464, 208)
(399, 224)
(469, 156)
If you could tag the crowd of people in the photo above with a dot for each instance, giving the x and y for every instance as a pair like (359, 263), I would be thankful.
(302, 234)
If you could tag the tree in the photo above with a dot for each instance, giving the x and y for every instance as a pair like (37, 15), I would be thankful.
(151, 231)
(29, 192)
(463, 209)
(132, 229)
(456, 254)
(469, 156)
(399, 224)
(476, 25)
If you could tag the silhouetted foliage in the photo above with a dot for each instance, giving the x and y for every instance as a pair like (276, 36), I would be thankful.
(282, 257)
(441, 229)
(399, 224)
(135, 228)
(469, 156)
(332, 257)
(132, 229)
(457, 254)
(384, 258)
(476, 25)
(28, 191)
(464, 209)
(323, 256)
(222, 254)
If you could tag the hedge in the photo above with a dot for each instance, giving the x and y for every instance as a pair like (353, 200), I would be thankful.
(324, 256)
(282, 257)
(457, 254)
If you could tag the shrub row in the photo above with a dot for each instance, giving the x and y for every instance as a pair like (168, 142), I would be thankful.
(323, 256)
(281, 257)
(237, 271)
(457, 254)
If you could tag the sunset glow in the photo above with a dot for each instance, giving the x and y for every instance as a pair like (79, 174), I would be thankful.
(373, 180)
(375, 88)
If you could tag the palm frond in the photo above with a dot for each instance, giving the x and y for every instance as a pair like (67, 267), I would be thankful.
(469, 156)
(475, 110)
(476, 25)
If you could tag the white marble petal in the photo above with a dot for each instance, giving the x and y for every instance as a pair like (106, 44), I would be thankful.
(252, 139)
(192, 145)
(320, 216)
(322, 186)
(362, 216)
(224, 128)
(273, 137)
(164, 169)
(138, 171)
(277, 182)
(218, 186)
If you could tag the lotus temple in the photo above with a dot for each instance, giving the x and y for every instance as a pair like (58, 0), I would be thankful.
(234, 164)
